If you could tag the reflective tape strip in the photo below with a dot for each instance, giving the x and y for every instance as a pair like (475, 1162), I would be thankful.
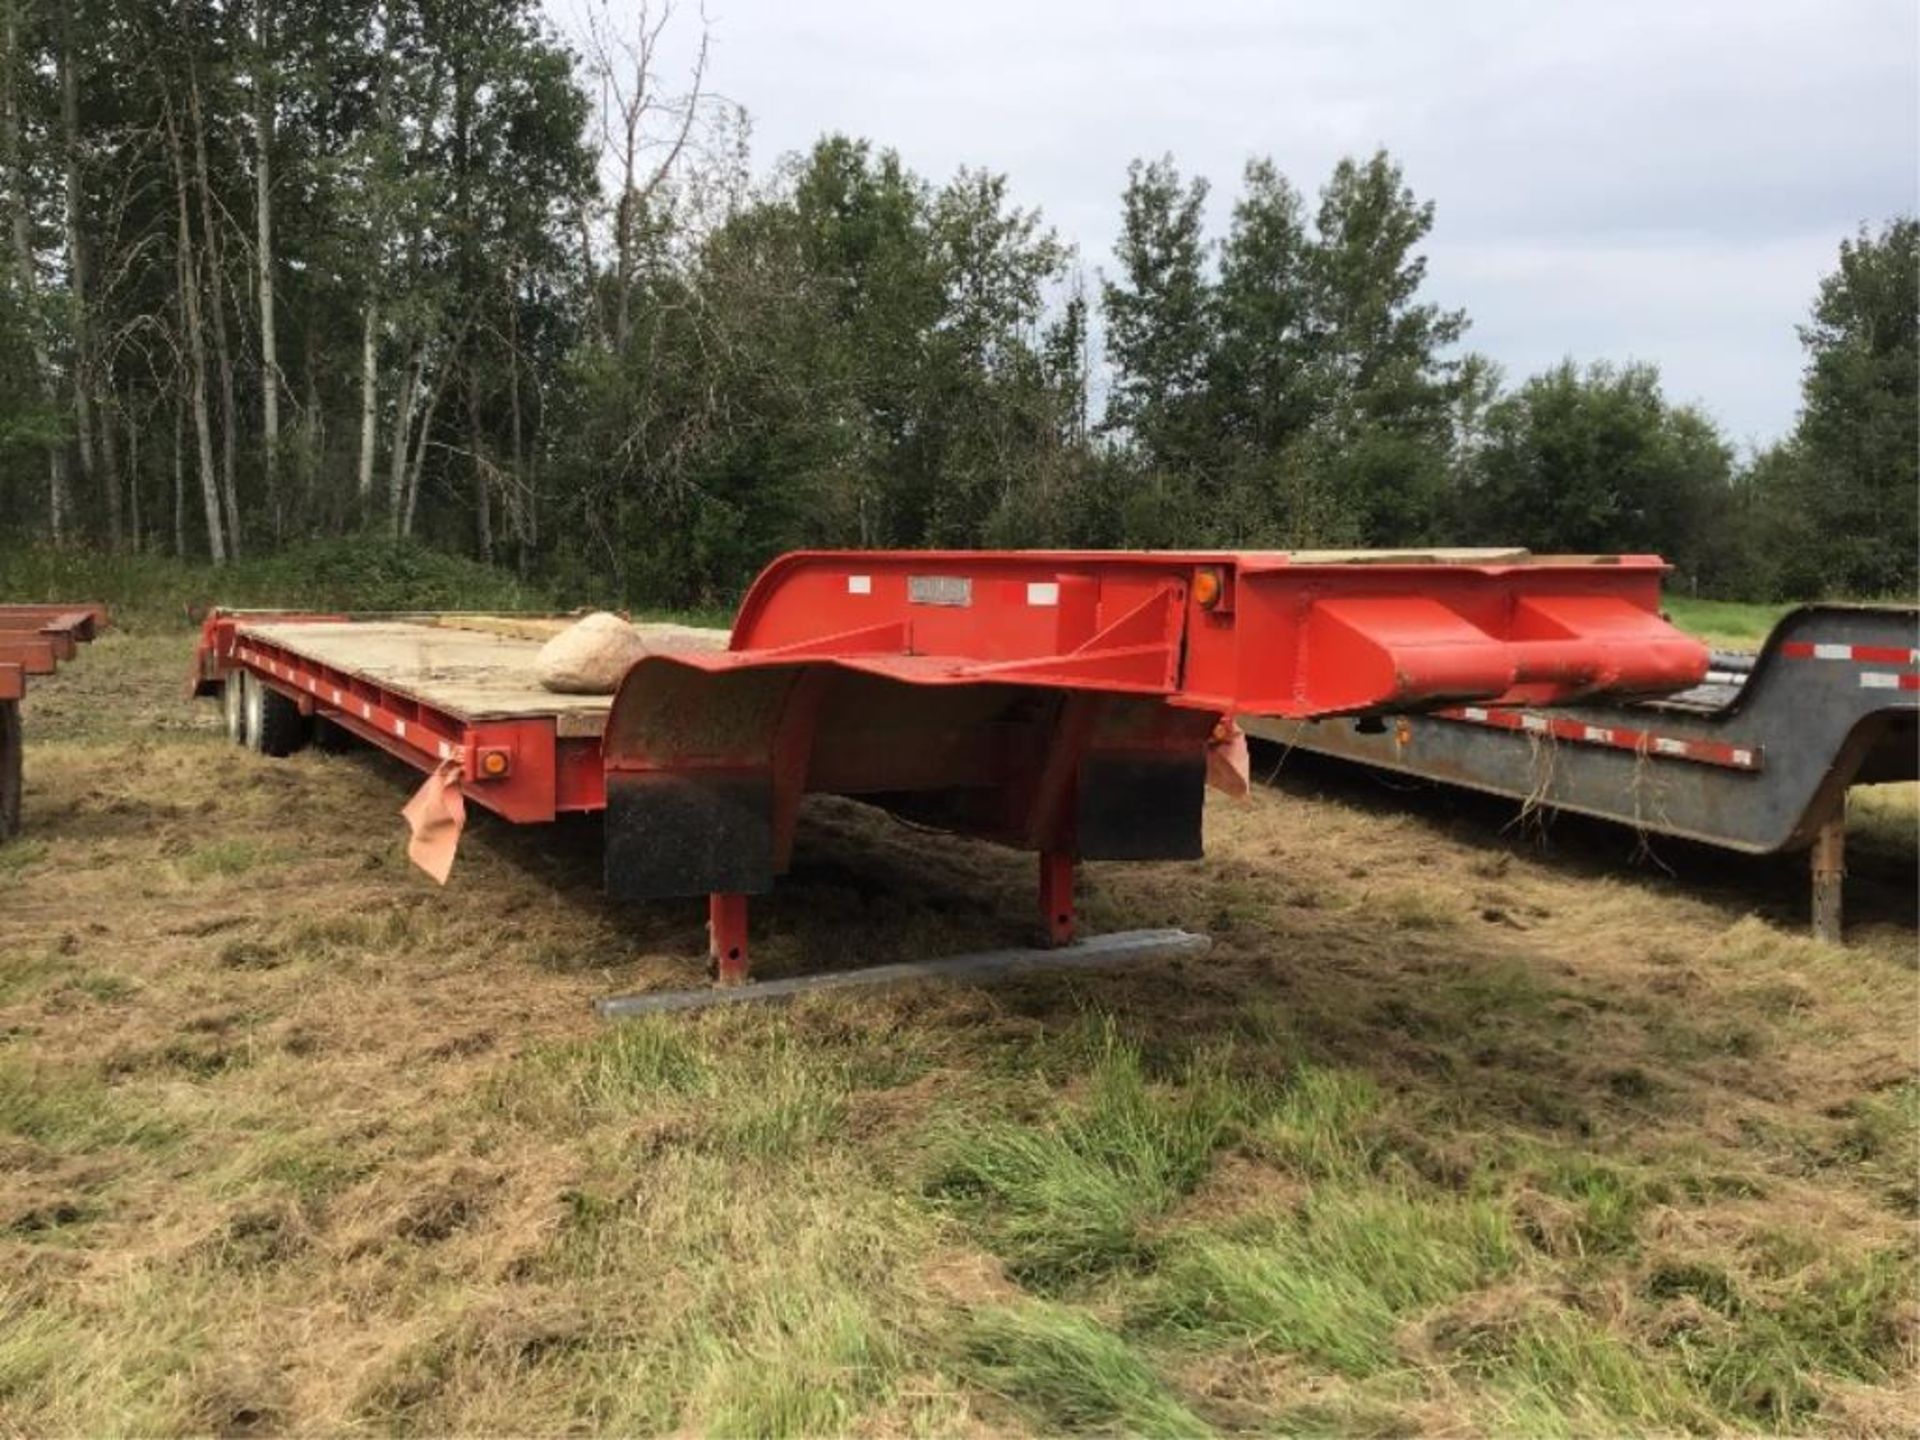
(1616, 737)
(1889, 680)
(445, 749)
(859, 584)
(1859, 654)
(1043, 592)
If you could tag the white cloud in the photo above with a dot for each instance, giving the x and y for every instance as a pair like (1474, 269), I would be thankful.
(1636, 178)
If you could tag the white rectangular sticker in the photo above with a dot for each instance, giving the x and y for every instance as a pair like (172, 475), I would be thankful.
(1043, 592)
(859, 584)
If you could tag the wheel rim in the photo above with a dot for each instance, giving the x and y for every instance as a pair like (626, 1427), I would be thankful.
(234, 698)
(256, 705)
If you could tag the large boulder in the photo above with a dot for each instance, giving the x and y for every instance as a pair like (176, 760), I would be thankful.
(590, 656)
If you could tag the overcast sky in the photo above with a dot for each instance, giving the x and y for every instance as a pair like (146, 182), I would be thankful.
(1662, 180)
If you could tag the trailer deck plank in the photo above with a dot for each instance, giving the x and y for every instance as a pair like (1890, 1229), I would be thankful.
(469, 672)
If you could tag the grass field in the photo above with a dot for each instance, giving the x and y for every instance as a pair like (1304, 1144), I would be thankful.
(1460, 1129)
(1729, 624)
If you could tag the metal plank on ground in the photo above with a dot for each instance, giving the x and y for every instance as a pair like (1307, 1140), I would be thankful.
(1124, 947)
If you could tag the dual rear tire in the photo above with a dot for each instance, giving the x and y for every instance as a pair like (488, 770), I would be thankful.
(260, 718)
(10, 748)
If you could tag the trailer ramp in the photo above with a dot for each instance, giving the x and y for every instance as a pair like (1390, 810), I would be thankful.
(1758, 758)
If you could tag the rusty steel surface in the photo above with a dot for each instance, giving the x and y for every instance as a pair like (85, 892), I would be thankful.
(1756, 761)
(34, 640)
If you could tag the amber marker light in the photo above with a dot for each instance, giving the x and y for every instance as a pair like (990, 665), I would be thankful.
(1207, 588)
(493, 763)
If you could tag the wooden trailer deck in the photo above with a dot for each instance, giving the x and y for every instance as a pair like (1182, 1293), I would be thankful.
(473, 668)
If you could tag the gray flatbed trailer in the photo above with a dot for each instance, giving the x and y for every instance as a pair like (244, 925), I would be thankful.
(1758, 759)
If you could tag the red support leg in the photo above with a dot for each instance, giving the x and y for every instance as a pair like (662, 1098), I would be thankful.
(727, 938)
(1056, 896)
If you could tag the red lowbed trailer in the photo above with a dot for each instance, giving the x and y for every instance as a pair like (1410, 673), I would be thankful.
(1062, 702)
(34, 639)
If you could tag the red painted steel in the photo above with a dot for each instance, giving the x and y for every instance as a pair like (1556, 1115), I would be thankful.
(34, 654)
(1056, 896)
(727, 937)
(1285, 636)
(545, 773)
(1060, 702)
(34, 639)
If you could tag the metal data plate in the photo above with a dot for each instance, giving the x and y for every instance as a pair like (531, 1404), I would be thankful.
(940, 589)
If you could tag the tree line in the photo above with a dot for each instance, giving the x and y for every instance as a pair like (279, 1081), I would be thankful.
(420, 268)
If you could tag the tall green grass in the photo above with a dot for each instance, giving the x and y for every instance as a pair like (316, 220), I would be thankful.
(1332, 1280)
(1067, 1199)
(152, 592)
(1069, 1373)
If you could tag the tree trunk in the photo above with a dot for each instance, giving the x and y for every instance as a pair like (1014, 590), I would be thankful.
(263, 264)
(82, 376)
(20, 229)
(313, 434)
(397, 506)
(520, 504)
(179, 478)
(196, 351)
(216, 299)
(369, 402)
(482, 494)
(426, 431)
(110, 472)
(133, 482)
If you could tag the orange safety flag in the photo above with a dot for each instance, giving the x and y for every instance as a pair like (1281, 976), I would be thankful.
(436, 814)
(1228, 770)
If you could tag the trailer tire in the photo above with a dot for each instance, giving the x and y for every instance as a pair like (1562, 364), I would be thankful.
(275, 725)
(233, 705)
(330, 737)
(10, 785)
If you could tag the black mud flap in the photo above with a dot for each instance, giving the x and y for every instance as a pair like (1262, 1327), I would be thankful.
(1141, 807)
(686, 833)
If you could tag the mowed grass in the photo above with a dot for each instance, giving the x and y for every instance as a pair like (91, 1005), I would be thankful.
(1733, 624)
(1448, 1134)
(1726, 624)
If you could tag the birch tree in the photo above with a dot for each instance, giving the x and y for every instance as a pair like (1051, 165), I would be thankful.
(189, 267)
(25, 265)
(263, 127)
